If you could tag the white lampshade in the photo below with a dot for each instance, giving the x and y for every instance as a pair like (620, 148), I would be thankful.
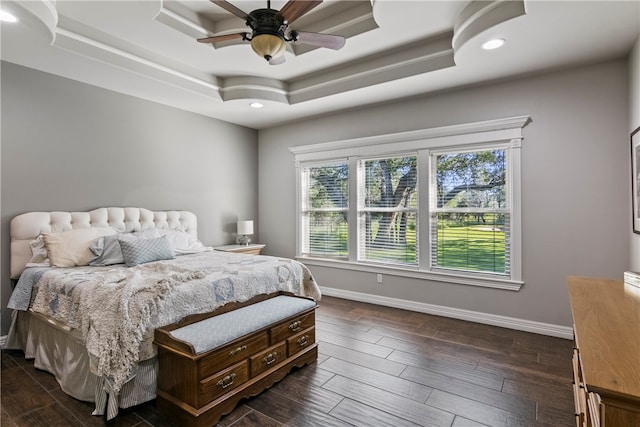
(245, 227)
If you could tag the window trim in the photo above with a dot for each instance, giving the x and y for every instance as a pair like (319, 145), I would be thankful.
(506, 131)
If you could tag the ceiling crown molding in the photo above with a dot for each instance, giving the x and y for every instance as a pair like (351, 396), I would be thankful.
(40, 14)
(416, 58)
(346, 18)
(250, 87)
(69, 37)
(479, 16)
(179, 21)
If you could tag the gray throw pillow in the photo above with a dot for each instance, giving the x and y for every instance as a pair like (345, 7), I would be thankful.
(140, 251)
(107, 249)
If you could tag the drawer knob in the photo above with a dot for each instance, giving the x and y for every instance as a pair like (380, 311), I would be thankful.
(237, 350)
(295, 326)
(226, 381)
(270, 358)
(302, 341)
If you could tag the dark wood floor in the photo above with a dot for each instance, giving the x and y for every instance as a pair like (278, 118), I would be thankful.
(378, 366)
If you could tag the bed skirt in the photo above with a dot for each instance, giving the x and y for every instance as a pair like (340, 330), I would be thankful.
(60, 351)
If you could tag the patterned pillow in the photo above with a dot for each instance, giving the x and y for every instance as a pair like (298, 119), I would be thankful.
(107, 249)
(139, 251)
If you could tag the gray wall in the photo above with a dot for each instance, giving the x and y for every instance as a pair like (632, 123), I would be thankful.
(575, 191)
(634, 123)
(73, 147)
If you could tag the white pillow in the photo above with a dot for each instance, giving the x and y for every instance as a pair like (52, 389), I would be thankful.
(183, 242)
(71, 248)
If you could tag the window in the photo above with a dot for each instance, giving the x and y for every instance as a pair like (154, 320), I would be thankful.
(387, 210)
(441, 204)
(325, 206)
(470, 212)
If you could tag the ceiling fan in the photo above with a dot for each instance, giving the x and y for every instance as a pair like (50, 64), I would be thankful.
(269, 34)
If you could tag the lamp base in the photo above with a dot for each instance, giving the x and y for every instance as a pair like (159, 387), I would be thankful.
(244, 239)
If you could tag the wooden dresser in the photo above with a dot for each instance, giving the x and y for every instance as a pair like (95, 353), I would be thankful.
(606, 361)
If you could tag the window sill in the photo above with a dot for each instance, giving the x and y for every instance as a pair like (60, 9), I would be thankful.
(459, 279)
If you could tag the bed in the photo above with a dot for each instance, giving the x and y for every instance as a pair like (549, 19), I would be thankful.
(88, 318)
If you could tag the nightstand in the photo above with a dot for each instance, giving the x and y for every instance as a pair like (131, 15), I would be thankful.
(251, 248)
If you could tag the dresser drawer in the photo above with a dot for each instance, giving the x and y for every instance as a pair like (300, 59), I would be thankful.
(595, 409)
(230, 354)
(577, 404)
(216, 385)
(301, 341)
(283, 331)
(267, 359)
(577, 368)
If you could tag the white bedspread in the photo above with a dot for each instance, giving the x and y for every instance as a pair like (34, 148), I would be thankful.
(117, 308)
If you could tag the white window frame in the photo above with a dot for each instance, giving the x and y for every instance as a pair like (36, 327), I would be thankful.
(506, 132)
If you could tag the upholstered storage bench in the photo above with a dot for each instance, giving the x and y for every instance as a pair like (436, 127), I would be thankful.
(209, 362)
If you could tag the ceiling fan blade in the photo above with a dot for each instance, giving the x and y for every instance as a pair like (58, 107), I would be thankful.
(294, 9)
(222, 38)
(330, 41)
(231, 8)
(277, 60)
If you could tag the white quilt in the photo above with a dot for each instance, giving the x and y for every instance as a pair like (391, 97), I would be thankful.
(117, 308)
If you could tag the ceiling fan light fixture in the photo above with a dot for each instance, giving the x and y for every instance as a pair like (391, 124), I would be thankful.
(268, 46)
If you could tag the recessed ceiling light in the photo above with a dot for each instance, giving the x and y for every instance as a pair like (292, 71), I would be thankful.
(493, 44)
(7, 17)
(256, 105)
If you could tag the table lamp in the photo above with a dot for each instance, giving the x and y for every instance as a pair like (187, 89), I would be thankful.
(245, 228)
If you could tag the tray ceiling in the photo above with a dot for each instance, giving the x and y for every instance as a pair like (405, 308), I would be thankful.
(394, 49)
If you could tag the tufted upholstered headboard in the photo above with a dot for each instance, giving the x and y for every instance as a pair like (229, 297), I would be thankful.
(26, 227)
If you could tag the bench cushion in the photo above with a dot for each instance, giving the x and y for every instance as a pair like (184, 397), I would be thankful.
(217, 331)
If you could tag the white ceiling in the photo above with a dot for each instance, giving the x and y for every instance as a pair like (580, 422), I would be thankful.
(394, 49)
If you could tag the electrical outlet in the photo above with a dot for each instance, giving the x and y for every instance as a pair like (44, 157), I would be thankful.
(379, 278)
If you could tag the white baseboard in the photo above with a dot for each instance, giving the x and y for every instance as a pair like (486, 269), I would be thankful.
(456, 313)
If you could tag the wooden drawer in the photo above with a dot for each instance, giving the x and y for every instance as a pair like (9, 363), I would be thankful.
(283, 331)
(300, 341)
(577, 368)
(267, 359)
(595, 407)
(579, 404)
(216, 385)
(255, 251)
(232, 353)
(579, 399)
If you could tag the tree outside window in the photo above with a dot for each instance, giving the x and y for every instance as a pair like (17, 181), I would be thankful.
(470, 213)
(388, 209)
(325, 208)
